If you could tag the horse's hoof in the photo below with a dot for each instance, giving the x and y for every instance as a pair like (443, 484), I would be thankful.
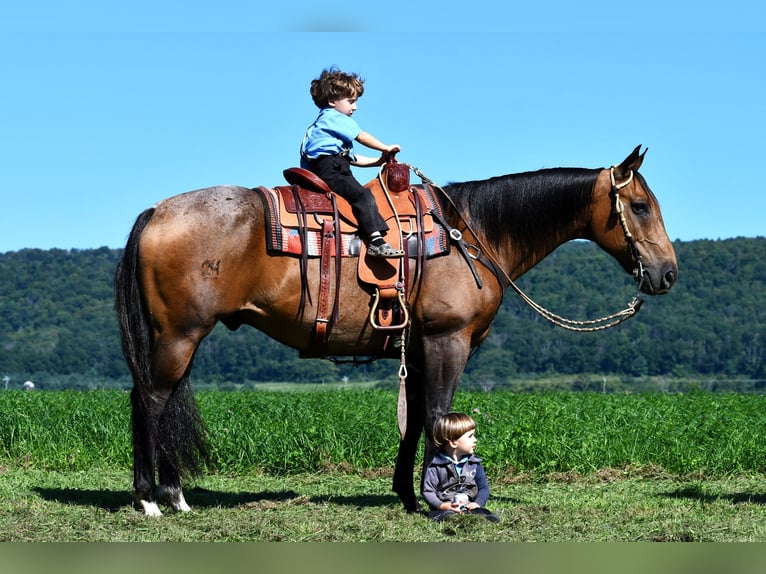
(173, 496)
(150, 508)
(413, 508)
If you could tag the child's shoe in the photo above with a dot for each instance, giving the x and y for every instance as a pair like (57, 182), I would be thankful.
(384, 250)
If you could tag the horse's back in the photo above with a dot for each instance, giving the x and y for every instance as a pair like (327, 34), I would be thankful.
(213, 221)
(198, 244)
(223, 208)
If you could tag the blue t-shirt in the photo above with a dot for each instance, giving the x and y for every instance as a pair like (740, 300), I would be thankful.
(331, 133)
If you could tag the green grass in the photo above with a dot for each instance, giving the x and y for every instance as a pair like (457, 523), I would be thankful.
(318, 467)
(286, 433)
(627, 505)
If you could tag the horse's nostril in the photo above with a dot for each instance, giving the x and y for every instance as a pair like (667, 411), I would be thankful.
(670, 277)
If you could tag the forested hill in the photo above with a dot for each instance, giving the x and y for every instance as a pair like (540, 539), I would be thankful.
(57, 323)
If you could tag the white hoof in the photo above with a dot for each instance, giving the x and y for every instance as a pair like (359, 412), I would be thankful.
(173, 497)
(150, 508)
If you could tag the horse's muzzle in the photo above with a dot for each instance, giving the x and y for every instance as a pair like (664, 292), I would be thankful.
(660, 282)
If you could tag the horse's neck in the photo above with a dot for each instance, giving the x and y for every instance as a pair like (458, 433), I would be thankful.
(520, 256)
(522, 249)
(515, 253)
(522, 218)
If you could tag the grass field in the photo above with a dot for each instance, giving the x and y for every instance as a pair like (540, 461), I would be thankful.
(317, 467)
(626, 505)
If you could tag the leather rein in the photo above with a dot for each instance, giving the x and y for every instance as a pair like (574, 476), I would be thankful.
(484, 255)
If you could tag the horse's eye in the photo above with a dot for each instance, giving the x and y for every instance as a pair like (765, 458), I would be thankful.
(640, 208)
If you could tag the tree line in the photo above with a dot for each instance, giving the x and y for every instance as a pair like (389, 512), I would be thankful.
(58, 326)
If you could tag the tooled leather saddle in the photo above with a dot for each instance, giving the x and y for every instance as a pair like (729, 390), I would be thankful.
(308, 220)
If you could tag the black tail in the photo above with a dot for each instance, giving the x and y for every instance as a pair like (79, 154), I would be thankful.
(131, 314)
(179, 434)
(182, 437)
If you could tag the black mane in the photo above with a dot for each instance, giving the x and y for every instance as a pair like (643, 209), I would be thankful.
(524, 204)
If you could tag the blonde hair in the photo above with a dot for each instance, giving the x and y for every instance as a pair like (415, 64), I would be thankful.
(334, 85)
(451, 426)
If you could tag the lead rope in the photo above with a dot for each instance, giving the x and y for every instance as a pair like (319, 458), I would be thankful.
(572, 325)
(401, 402)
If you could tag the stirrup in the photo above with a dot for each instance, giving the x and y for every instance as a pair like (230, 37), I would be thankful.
(384, 250)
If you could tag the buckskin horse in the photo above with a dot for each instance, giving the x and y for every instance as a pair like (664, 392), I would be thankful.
(202, 257)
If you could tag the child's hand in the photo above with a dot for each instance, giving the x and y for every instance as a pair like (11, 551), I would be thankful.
(389, 152)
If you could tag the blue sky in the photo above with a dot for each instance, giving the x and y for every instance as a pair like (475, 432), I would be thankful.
(107, 108)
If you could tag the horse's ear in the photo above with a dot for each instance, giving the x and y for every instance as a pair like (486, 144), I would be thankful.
(632, 162)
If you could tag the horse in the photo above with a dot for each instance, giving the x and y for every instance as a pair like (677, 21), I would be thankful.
(201, 257)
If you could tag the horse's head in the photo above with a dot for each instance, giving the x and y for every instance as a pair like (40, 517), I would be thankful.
(627, 224)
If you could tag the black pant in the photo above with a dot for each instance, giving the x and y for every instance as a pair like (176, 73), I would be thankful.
(441, 515)
(335, 170)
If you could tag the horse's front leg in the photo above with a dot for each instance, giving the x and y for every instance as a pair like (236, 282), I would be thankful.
(446, 357)
(430, 389)
(408, 445)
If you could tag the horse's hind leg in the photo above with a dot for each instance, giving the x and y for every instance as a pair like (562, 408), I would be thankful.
(167, 431)
(145, 414)
(169, 489)
(183, 447)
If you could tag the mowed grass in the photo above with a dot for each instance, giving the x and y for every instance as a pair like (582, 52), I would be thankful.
(628, 505)
(317, 467)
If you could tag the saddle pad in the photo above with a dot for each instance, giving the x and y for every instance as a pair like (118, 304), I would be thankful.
(281, 239)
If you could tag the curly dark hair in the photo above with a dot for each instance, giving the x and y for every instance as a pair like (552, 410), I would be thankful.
(333, 85)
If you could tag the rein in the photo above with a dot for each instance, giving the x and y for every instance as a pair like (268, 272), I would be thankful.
(572, 325)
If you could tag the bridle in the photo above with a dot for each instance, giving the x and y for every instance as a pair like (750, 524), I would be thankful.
(619, 208)
(482, 252)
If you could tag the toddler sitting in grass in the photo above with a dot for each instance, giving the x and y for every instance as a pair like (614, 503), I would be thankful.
(455, 481)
